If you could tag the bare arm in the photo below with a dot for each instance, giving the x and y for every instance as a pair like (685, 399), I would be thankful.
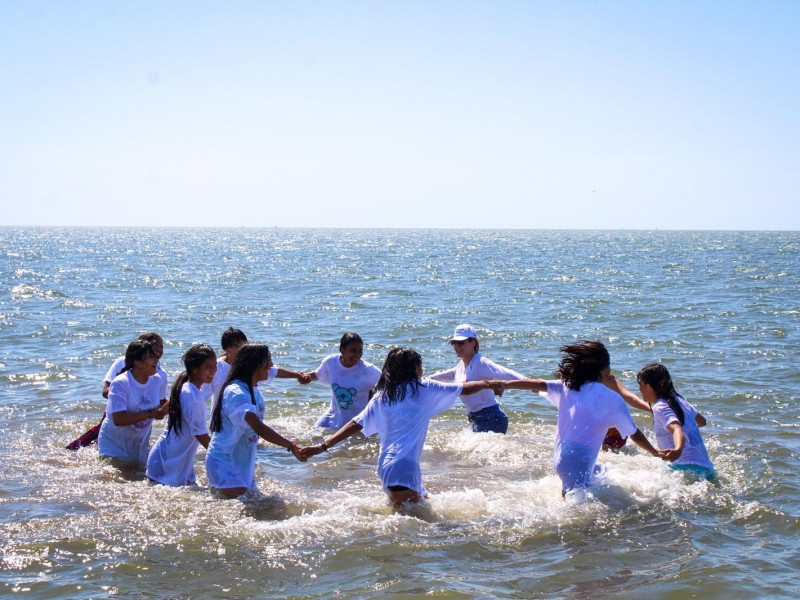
(287, 374)
(473, 387)
(204, 439)
(127, 417)
(106, 387)
(265, 432)
(640, 440)
(533, 385)
(675, 452)
(700, 420)
(347, 430)
(632, 399)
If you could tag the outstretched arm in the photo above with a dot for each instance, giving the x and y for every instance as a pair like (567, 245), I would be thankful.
(267, 433)
(641, 441)
(348, 429)
(632, 399)
(533, 385)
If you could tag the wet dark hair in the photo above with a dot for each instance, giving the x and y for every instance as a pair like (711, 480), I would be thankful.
(582, 362)
(248, 360)
(232, 336)
(137, 350)
(400, 369)
(348, 338)
(193, 359)
(657, 377)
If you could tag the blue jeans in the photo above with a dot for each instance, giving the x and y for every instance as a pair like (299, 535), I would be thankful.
(491, 418)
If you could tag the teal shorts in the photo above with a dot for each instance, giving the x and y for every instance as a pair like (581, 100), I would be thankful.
(704, 472)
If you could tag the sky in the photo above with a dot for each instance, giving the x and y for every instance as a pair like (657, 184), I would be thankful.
(433, 114)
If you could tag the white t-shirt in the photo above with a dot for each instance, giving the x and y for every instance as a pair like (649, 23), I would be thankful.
(223, 368)
(129, 442)
(402, 428)
(171, 461)
(231, 456)
(584, 417)
(119, 364)
(478, 369)
(349, 389)
(694, 450)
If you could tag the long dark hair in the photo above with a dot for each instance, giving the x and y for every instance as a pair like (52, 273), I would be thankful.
(582, 362)
(248, 360)
(399, 369)
(193, 359)
(137, 350)
(657, 377)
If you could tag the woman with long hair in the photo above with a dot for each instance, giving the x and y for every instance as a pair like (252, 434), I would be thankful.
(171, 461)
(587, 409)
(134, 400)
(676, 422)
(237, 423)
(399, 412)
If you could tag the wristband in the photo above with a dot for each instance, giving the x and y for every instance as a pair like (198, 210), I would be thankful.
(289, 449)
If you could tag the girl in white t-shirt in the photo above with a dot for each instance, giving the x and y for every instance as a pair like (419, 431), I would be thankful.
(237, 423)
(676, 422)
(134, 400)
(399, 413)
(586, 410)
(171, 461)
(351, 379)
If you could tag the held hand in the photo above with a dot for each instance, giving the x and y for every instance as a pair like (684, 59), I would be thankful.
(297, 451)
(162, 410)
(670, 454)
(497, 386)
(310, 451)
(304, 378)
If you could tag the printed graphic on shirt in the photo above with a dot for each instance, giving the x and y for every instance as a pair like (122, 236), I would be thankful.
(344, 396)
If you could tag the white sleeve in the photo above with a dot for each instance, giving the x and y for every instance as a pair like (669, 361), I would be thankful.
(448, 375)
(237, 404)
(118, 395)
(194, 415)
(554, 392)
(368, 418)
(114, 369)
(491, 370)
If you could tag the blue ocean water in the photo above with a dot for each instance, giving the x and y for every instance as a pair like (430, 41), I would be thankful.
(720, 309)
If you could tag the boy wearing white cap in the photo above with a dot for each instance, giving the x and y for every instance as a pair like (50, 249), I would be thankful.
(485, 413)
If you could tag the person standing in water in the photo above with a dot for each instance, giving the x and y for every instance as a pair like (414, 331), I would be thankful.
(587, 409)
(484, 411)
(399, 412)
(134, 400)
(351, 379)
(238, 422)
(676, 423)
(171, 461)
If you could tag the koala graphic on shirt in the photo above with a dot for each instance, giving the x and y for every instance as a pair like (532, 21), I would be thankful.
(344, 396)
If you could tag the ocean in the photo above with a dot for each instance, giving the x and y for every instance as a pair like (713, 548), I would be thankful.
(720, 309)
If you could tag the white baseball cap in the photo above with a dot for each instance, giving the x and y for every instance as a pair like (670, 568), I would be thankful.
(463, 332)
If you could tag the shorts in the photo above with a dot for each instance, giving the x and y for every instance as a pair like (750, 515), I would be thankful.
(704, 472)
(491, 418)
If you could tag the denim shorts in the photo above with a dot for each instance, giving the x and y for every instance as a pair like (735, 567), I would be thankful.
(491, 418)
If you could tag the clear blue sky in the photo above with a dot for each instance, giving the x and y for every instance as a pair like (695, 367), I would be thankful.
(557, 114)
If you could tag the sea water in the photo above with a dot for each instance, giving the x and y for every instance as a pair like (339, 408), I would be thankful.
(720, 309)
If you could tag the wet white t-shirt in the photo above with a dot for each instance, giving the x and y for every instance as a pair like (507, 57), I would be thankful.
(402, 428)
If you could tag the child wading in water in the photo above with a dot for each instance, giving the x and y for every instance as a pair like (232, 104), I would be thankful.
(237, 423)
(587, 409)
(676, 422)
(134, 400)
(171, 461)
(399, 413)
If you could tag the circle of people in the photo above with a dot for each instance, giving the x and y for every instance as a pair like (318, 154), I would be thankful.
(397, 402)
